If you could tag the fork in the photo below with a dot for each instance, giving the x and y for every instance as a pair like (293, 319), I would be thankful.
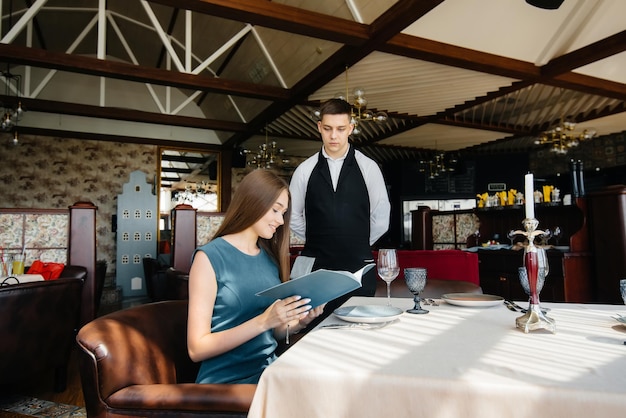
(509, 306)
(358, 325)
(512, 306)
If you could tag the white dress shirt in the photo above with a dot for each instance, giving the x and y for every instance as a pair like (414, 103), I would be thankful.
(380, 207)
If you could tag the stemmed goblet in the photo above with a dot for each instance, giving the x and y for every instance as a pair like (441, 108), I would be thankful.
(416, 280)
(388, 268)
(511, 236)
(622, 290)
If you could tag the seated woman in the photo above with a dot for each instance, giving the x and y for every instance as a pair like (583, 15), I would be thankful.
(230, 329)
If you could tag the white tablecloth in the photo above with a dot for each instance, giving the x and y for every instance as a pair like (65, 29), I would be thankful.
(453, 362)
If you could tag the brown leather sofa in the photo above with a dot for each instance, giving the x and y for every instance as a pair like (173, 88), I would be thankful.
(134, 362)
(38, 324)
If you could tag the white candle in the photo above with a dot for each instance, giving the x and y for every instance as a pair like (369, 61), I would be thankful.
(528, 196)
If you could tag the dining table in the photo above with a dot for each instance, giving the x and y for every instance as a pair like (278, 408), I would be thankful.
(455, 361)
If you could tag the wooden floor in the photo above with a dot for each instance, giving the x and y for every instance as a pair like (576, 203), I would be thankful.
(43, 388)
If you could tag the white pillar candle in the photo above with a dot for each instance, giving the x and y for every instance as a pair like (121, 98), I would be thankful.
(528, 196)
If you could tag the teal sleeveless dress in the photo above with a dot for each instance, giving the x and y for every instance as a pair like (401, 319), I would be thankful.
(239, 277)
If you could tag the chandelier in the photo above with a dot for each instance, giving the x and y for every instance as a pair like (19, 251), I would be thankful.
(563, 137)
(359, 108)
(192, 192)
(440, 163)
(267, 155)
(11, 112)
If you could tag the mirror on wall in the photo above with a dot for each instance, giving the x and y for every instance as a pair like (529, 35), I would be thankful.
(188, 176)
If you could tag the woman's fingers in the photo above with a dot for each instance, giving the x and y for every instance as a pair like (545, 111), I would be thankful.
(293, 307)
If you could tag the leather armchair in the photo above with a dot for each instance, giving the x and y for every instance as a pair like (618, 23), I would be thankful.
(155, 279)
(38, 324)
(177, 284)
(134, 362)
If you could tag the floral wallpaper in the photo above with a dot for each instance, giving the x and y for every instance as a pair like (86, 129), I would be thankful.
(206, 227)
(41, 237)
(444, 230)
(54, 173)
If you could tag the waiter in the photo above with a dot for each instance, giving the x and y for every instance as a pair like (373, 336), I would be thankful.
(339, 201)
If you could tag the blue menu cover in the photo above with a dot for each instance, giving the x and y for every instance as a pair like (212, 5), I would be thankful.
(320, 286)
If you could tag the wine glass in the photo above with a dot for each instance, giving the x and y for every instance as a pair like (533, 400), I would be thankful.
(415, 278)
(622, 290)
(511, 236)
(542, 259)
(7, 265)
(388, 268)
(523, 277)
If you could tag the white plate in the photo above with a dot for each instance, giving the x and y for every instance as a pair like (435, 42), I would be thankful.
(472, 299)
(368, 313)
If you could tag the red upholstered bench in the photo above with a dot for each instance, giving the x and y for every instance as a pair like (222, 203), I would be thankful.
(448, 271)
(441, 264)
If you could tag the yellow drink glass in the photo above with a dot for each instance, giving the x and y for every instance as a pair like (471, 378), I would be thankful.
(18, 264)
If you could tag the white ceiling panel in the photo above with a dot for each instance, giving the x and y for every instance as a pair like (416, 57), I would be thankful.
(441, 137)
(408, 86)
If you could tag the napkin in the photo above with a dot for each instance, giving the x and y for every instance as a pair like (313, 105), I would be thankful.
(302, 265)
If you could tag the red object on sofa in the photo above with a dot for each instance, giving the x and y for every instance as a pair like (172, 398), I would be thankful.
(49, 271)
(441, 264)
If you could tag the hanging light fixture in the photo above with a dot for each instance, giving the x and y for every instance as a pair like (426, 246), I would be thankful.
(268, 154)
(545, 4)
(562, 137)
(440, 163)
(192, 192)
(11, 111)
(359, 108)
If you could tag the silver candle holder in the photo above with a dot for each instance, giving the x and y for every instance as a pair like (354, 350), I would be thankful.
(534, 318)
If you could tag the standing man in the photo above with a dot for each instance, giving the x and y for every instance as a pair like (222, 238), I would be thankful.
(340, 204)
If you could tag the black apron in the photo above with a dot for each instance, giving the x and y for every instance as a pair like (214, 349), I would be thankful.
(338, 222)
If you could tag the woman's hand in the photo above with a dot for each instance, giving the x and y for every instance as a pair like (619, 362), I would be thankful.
(311, 315)
(285, 311)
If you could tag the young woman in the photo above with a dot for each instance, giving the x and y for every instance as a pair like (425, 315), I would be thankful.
(231, 330)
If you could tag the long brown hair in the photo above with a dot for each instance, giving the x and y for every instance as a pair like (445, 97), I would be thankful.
(255, 195)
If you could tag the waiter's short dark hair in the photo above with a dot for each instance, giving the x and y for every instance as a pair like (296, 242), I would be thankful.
(335, 107)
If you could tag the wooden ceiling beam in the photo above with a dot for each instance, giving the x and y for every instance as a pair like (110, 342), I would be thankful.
(126, 139)
(382, 29)
(596, 51)
(123, 71)
(590, 85)
(113, 113)
(280, 17)
(446, 54)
